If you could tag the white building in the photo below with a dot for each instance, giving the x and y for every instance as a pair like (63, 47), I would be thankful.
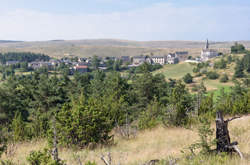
(172, 58)
(207, 53)
(159, 60)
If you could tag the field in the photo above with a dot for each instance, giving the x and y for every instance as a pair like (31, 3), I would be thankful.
(158, 143)
(112, 47)
(176, 71)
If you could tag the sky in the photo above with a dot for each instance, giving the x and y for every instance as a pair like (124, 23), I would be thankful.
(142, 20)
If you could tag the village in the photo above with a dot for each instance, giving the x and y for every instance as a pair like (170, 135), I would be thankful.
(83, 65)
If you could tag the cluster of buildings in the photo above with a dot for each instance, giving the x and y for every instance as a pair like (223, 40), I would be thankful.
(83, 64)
(171, 58)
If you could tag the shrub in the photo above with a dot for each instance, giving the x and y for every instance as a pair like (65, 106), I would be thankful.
(206, 141)
(3, 143)
(224, 78)
(188, 78)
(90, 163)
(212, 75)
(42, 158)
(18, 127)
(151, 116)
(83, 123)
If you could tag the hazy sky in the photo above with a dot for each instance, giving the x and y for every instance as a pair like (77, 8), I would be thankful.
(125, 19)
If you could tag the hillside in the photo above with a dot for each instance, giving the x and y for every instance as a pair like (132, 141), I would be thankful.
(111, 47)
(158, 143)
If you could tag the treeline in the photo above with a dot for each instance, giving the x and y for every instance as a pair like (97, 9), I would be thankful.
(88, 106)
(22, 57)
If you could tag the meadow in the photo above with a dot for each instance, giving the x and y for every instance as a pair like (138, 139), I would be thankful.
(158, 143)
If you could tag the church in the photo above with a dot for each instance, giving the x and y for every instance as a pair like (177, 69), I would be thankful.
(207, 53)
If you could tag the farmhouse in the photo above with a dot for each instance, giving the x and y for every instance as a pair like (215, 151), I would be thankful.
(207, 53)
(172, 58)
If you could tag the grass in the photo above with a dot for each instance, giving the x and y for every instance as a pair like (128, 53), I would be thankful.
(176, 71)
(157, 143)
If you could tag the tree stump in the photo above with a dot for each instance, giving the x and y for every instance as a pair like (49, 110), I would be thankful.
(222, 136)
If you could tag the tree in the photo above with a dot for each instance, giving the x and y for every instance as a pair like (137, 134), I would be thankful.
(181, 102)
(224, 78)
(188, 78)
(239, 69)
(18, 127)
(95, 62)
(229, 59)
(246, 62)
(212, 75)
(222, 64)
(83, 122)
(117, 65)
(237, 48)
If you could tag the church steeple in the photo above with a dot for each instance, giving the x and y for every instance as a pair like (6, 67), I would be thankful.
(207, 45)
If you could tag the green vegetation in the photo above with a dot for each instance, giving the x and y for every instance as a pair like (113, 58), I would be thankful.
(212, 75)
(238, 48)
(224, 78)
(188, 78)
(176, 71)
(22, 57)
(88, 107)
(42, 158)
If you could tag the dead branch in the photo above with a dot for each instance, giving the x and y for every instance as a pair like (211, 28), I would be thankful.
(104, 160)
(233, 118)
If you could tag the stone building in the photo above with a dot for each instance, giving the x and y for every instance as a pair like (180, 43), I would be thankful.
(208, 53)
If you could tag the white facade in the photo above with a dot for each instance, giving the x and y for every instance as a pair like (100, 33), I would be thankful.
(207, 53)
(159, 60)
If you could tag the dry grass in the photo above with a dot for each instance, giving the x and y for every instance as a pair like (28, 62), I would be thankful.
(108, 47)
(158, 143)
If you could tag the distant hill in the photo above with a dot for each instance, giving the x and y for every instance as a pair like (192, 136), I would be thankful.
(8, 41)
(111, 47)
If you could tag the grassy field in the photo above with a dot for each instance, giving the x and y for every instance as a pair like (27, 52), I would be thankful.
(176, 71)
(158, 143)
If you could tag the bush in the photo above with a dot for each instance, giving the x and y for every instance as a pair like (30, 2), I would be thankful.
(224, 78)
(206, 141)
(3, 143)
(42, 158)
(18, 128)
(212, 75)
(188, 78)
(151, 116)
(90, 163)
(84, 123)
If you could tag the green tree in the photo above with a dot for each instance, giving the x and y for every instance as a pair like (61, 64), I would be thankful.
(83, 122)
(239, 69)
(237, 48)
(182, 103)
(18, 127)
(212, 75)
(188, 78)
(246, 62)
(95, 62)
(224, 78)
